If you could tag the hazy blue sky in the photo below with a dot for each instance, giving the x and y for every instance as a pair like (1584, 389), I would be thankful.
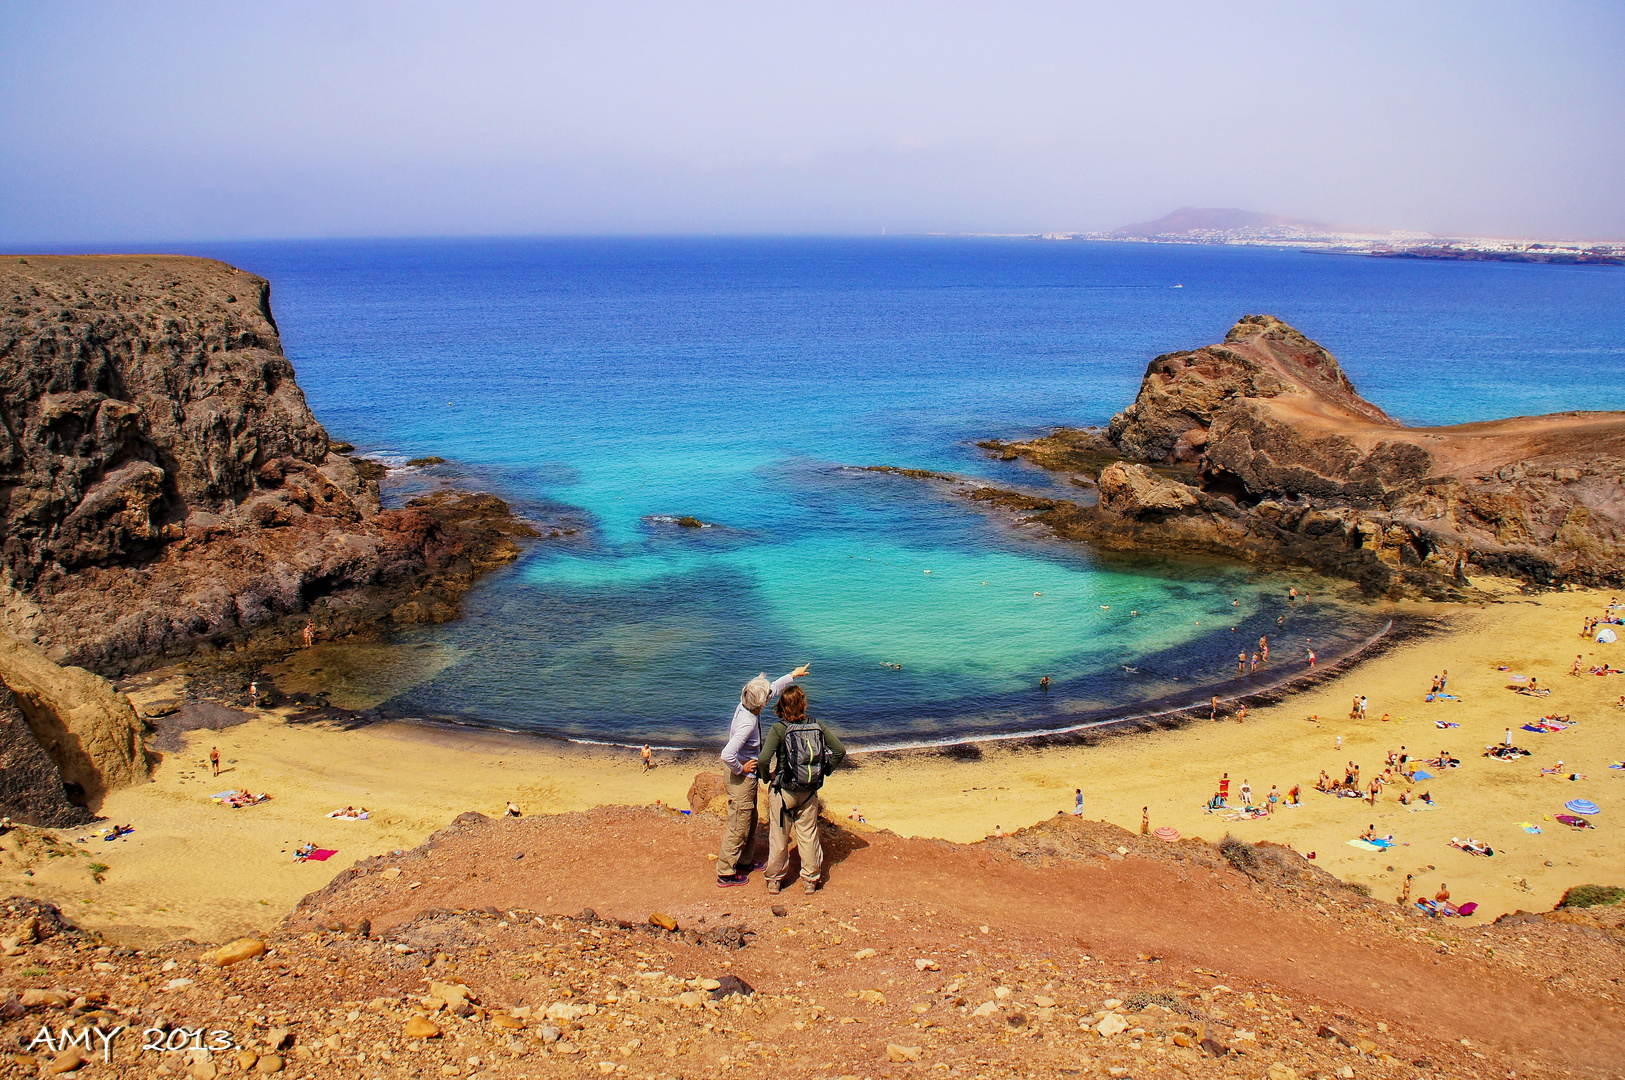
(127, 122)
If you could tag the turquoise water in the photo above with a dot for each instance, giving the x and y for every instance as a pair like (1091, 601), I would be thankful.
(618, 384)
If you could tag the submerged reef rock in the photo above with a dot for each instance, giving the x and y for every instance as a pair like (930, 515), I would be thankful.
(1261, 448)
(164, 485)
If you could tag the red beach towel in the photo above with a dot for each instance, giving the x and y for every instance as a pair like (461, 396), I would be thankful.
(321, 854)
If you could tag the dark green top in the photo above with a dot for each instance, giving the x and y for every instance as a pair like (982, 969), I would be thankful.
(774, 738)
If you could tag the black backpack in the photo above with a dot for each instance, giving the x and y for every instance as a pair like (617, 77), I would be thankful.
(801, 758)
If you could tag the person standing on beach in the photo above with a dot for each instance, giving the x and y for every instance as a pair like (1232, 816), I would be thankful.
(310, 633)
(797, 754)
(1214, 713)
(1241, 714)
(1362, 706)
(1241, 664)
(1077, 802)
(648, 757)
(1311, 658)
(1145, 821)
(1405, 892)
(1224, 788)
(1255, 663)
(1246, 793)
(1264, 648)
(214, 759)
(737, 852)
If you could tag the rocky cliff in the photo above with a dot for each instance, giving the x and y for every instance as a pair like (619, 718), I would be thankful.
(164, 486)
(134, 392)
(31, 786)
(1260, 447)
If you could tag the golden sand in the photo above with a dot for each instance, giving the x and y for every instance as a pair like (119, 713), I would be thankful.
(194, 868)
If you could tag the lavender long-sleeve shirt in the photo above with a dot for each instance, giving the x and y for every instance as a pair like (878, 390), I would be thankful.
(745, 731)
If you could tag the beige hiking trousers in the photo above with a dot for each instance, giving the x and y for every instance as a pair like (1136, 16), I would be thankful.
(793, 813)
(738, 850)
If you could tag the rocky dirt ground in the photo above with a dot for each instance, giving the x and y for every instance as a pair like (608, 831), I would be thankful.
(598, 944)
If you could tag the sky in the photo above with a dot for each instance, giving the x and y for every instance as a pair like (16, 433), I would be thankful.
(124, 122)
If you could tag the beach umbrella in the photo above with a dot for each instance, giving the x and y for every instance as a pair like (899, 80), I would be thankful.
(1582, 806)
(1607, 636)
(1167, 833)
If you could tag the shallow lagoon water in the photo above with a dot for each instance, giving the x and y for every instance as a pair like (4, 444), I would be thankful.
(619, 384)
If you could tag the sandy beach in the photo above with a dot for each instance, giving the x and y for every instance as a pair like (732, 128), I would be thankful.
(196, 869)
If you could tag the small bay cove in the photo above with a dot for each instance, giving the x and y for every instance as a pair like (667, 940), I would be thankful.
(624, 385)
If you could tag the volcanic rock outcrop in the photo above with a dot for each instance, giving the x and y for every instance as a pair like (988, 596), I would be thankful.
(1260, 447)
(164, 486)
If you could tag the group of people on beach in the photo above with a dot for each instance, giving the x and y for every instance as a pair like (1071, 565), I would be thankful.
(792, 758)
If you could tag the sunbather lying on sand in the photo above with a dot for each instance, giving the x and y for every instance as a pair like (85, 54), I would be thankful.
(1471, 846)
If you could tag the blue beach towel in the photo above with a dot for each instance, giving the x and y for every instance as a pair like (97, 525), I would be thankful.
(1420, 775)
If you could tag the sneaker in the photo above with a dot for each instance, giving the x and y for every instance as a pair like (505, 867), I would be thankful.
(730, 880)
(773, 887)
(809, 885)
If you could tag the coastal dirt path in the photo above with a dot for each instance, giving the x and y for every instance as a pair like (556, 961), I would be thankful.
(1190, 915)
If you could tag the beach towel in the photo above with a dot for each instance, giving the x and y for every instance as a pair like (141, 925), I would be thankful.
(1607, 636)
(342, 816)
(223, 795)
(1420, 775)
(1617, 765)
(1364, 845)
(1575, 822)
(321, 854)
(1167, 833)
(1582, 806)
(1528, 827)
(1441, 724)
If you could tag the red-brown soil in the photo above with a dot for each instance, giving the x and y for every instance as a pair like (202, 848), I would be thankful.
(1049, 897)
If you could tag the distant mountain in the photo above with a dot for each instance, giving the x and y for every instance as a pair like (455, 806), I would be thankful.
(1191, 220)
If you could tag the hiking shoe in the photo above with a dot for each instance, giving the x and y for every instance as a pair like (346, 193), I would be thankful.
(730, 880)
(773, 887)
(809, 885)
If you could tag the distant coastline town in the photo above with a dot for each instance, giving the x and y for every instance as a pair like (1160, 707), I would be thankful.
(1190, 225)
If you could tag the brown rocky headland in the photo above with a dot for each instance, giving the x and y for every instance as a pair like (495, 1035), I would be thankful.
(1260, 448)
(166, 491)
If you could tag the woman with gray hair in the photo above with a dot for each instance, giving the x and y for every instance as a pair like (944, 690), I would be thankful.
(736, 855)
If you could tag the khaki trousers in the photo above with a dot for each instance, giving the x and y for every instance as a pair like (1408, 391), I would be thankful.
(738, 850)
(793, 812)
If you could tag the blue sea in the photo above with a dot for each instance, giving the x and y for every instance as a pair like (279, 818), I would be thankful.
(614, 385)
